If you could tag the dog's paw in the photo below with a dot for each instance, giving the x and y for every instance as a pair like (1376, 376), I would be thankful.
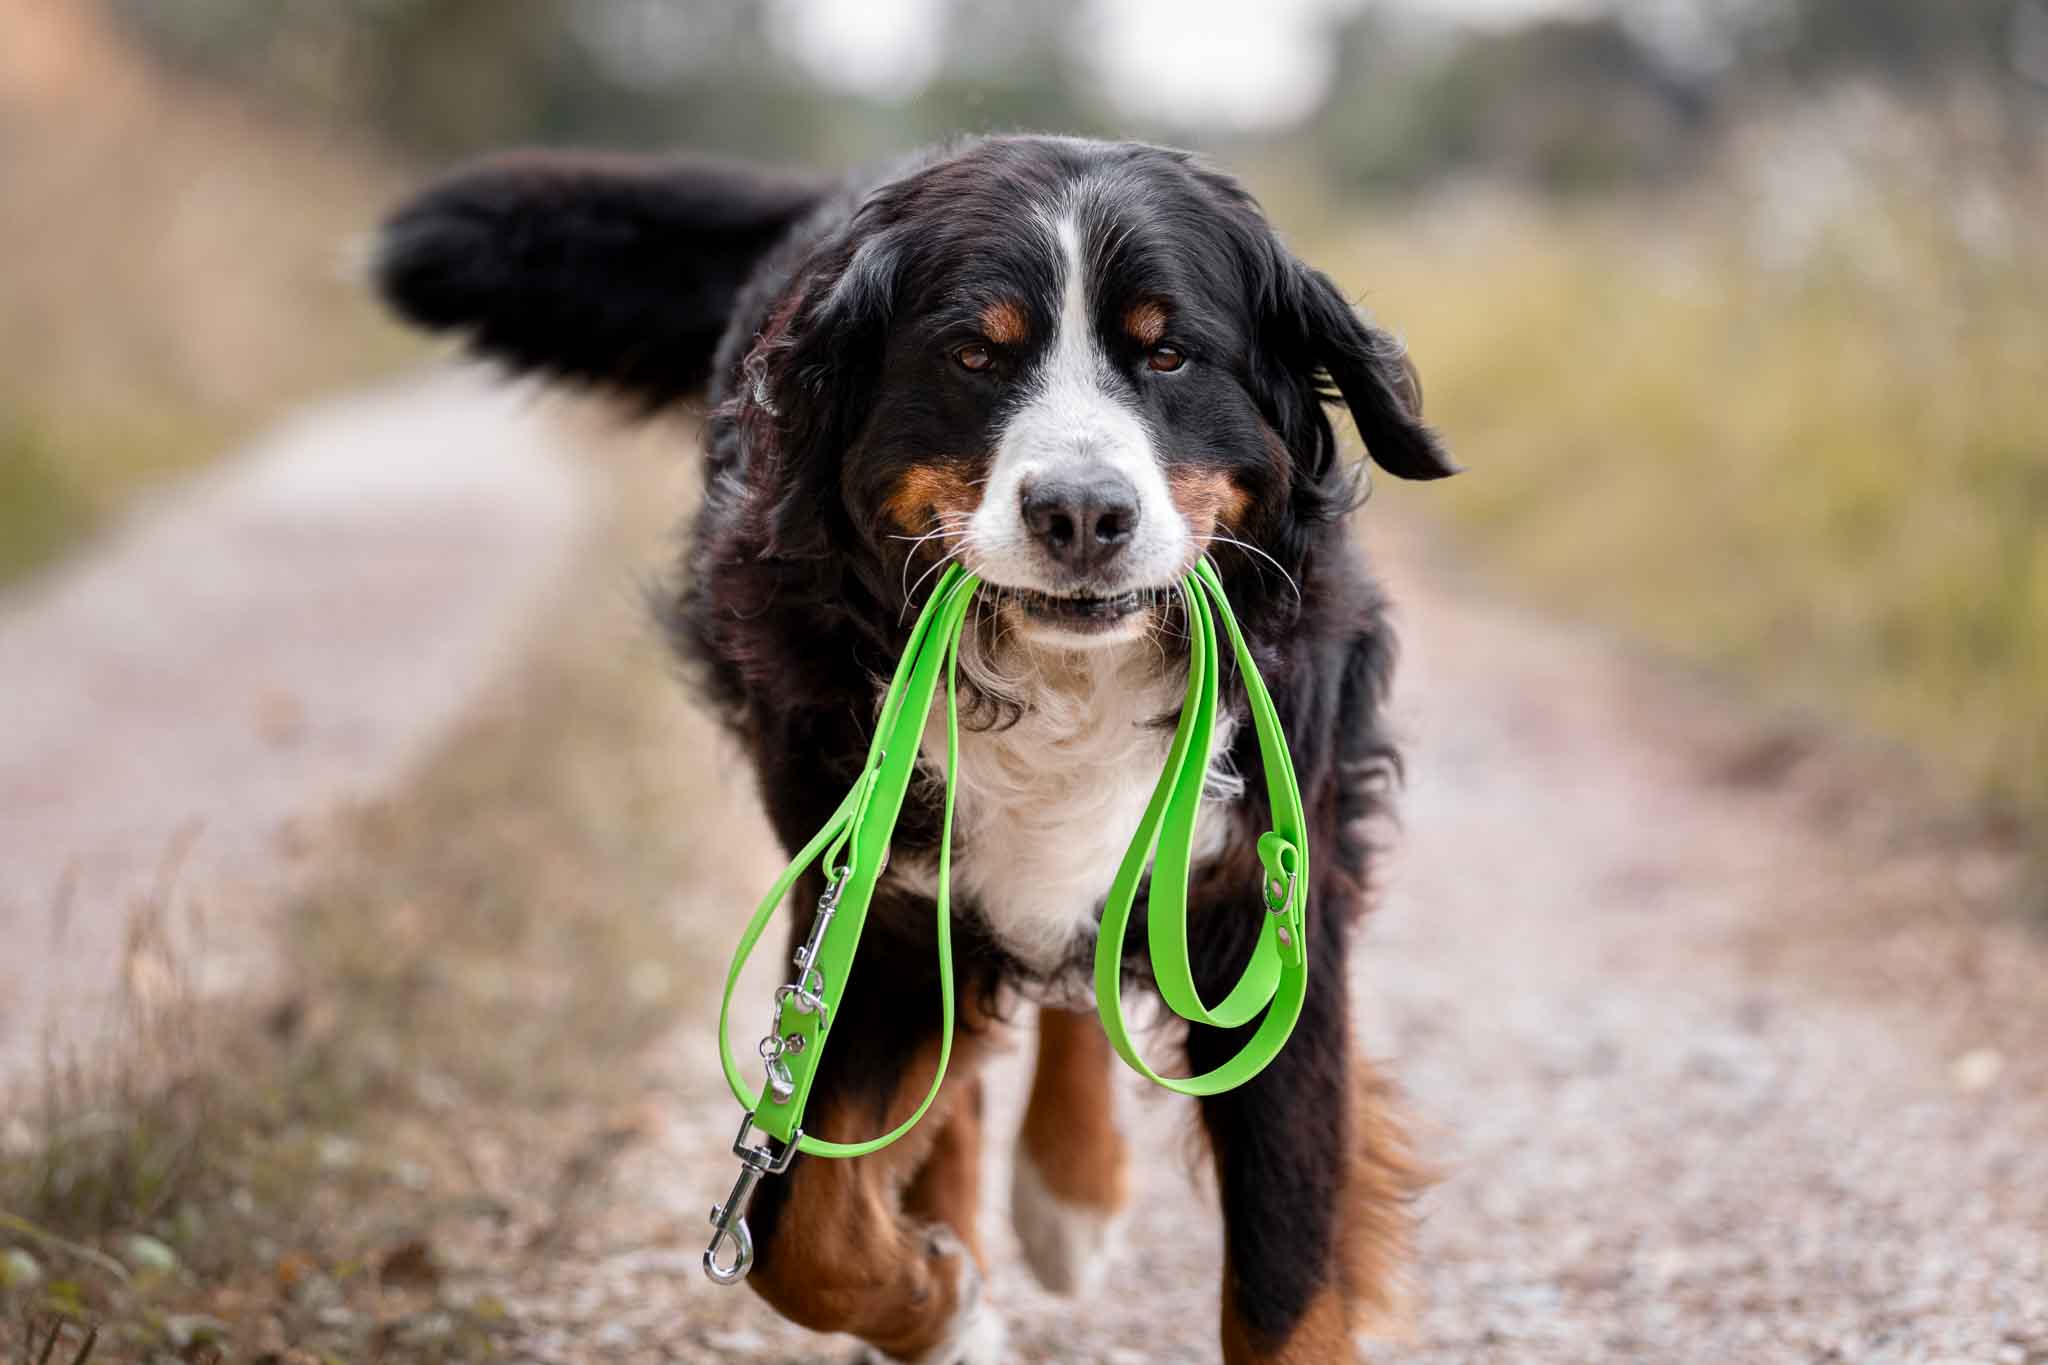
(981, 1338)
(977, 1334)
(978, 1338)
(1066, 1245)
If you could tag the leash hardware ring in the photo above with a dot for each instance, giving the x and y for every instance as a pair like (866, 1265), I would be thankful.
(729, 1220)
(809, 999)
(781, 1085)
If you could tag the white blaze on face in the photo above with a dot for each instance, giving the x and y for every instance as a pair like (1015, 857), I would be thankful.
(1075, 420)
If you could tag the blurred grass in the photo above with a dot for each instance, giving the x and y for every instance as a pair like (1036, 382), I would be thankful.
(1813, 453)
(471, 981)
(179, 274)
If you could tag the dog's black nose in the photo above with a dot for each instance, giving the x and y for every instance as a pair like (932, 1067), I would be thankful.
(1083, 521)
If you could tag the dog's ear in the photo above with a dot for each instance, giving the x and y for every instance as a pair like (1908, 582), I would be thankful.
(614, 271)
(816, 373)
(1369, 368)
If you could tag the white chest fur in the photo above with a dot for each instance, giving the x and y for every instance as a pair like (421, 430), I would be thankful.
(1044, 809)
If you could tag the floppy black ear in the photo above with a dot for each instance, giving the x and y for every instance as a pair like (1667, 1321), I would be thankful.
(614, 271)
(1373, 374)
(818, 377)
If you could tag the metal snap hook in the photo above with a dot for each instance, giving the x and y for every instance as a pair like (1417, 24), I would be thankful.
(732, 1228)
(729, 1220)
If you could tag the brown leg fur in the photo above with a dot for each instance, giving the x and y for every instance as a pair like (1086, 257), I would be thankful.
(947, 1189)
(1073, 1166)
(1070, 1123)
(848, 1255)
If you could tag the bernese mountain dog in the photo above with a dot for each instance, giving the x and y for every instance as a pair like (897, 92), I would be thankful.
(1074, 367)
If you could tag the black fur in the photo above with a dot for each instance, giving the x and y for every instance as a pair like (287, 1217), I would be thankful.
(832, 313)
(610, 271)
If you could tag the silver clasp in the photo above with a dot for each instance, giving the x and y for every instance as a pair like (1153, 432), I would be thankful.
(807, 992)
(729, 1220)
(828, 906)
(781, 1084)
(807, 995)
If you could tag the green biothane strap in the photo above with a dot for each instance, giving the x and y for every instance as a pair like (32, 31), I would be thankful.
(853, 846)
(1276, 977)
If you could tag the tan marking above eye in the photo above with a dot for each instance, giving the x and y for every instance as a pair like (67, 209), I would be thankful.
(1006, 323)
(1145, 321)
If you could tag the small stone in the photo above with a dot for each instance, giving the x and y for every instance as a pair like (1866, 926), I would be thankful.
(1977, 1069)
(16, 1139)
(18, 1269)
(147, 1254)
(193, 1329)
(338, 1153)
(426, 1329)
(739, 1339)
(316, 1291)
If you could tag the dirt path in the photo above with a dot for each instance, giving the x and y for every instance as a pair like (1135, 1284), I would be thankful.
(1724, 1058)
(283, 637)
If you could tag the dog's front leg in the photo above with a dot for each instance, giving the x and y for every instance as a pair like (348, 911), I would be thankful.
(1072, 1176)
(882, 1247)
(1314, 1176)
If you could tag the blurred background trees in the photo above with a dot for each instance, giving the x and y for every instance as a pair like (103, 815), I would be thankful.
(1738, 309)
(1567, 100)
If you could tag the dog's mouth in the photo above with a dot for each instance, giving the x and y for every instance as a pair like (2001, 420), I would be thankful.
(1079, 613)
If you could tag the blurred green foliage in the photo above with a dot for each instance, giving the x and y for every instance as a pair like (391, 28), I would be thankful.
(1821, 466)
(1570, 101)
(40, 509)
(451, 76)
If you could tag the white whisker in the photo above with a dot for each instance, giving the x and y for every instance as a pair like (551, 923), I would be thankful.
(951, 528)
(1288, 578)
(911, 595)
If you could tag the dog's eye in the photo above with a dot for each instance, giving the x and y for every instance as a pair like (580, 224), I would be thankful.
(976, 358)
(1166, 359)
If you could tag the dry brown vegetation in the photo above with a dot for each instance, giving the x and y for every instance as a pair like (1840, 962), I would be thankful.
(447, 1060)
(178, 272)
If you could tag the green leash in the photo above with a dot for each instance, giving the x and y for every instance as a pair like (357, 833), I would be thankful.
(854, 846)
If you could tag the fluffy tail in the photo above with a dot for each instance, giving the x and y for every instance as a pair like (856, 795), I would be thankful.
(617, 272)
